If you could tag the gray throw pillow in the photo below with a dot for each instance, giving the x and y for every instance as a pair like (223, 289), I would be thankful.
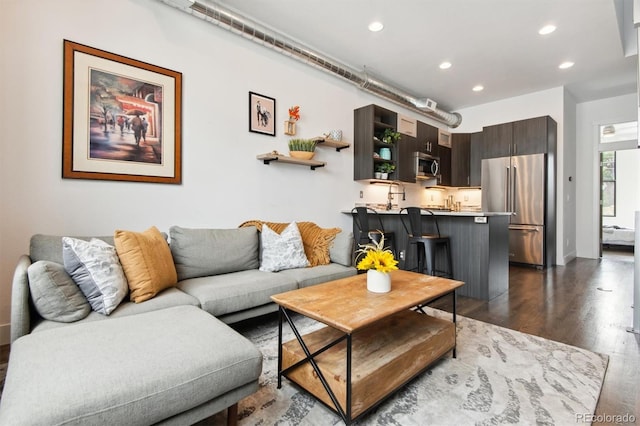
(55, 295)
(95, 267)
(284, 251)
(205, 252)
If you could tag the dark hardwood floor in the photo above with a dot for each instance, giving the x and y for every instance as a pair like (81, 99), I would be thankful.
(586, 303)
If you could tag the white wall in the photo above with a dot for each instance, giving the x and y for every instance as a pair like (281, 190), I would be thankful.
(547, 102)
(223, 183)
(589, 116)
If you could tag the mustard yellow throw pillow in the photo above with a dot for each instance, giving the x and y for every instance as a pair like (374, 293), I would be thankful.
(147, 263)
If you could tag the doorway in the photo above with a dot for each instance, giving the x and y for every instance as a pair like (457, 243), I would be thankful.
(619, 182)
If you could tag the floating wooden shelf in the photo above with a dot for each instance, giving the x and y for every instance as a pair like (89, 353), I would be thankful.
(338, 145)
(269, 157)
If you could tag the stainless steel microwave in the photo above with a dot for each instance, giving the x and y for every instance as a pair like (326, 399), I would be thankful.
(426, 166)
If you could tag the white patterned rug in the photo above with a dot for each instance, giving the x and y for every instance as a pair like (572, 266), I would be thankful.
(500, 376)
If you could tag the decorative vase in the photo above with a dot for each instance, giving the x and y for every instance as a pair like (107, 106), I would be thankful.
(385, 153)
(377, 175)
(384, 175)
(290, 127)
(302, 155)
(378, 282)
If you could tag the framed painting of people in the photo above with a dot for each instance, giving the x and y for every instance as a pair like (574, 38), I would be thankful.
(262, 114)
(122, 118)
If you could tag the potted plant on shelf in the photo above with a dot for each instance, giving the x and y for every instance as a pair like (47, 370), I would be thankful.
(390, 136)
(384, 169)
(303, 149)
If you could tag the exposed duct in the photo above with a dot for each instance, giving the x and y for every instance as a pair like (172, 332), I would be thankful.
(240, 25)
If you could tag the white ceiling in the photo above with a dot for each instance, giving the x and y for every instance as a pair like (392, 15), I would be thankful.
(494, 43)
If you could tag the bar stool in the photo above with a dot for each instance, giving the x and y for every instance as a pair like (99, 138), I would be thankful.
(427, 245)
(365, 229)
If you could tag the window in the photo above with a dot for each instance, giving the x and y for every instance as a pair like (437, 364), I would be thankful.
(608, 178)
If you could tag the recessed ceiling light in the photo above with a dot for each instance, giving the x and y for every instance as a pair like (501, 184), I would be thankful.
(445, 65)
(478, 88)
(565, 65)
(376, 26)
(547, 29)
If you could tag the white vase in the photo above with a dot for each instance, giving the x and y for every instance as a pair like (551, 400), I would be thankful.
(378, 282)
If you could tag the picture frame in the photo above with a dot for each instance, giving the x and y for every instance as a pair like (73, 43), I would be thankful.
(262, 114)
(121, 118)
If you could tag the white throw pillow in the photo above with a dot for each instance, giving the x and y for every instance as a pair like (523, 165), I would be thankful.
(96, 269)
(284, 251)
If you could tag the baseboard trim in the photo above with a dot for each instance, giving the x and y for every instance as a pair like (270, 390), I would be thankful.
(5, 334)
(569, 257)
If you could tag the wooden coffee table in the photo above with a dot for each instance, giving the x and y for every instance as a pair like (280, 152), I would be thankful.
(374, 343)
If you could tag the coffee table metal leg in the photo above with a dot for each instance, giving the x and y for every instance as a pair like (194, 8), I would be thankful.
(311, 359)
(280, 347)
(348, 384)
(453, 293)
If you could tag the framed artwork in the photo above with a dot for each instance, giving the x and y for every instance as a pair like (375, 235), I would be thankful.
(122, 118)
(262, 114)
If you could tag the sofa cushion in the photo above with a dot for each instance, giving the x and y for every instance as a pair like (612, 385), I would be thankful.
(203, 252)
(341, 251)
(221, 294)
(147, 262)
(282, 251)
(165, 299)
(55, 295)
(306, 277)
(316, 240)
(155, 365)
(49, 247)
(95, 268)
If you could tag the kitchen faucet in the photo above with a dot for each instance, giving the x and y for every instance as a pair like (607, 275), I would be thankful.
(390, 194)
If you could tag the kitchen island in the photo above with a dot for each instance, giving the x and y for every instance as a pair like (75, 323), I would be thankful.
(479, 248)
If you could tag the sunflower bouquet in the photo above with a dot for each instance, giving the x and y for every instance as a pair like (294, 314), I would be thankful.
(376, 256)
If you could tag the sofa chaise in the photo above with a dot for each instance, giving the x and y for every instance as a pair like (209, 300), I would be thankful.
(171, 358)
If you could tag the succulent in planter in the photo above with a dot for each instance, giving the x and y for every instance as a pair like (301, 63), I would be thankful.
(390, 136)
(385, 167)
(302, 148)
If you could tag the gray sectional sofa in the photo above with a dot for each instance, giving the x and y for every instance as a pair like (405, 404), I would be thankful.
(169, 360)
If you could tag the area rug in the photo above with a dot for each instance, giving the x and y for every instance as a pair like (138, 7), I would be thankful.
(500, 376)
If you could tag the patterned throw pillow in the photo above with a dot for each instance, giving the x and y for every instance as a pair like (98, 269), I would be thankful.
(284, 251)
(316, 240)
(95, 267)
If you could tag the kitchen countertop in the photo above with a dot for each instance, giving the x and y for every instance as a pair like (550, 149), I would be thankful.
(443, 212)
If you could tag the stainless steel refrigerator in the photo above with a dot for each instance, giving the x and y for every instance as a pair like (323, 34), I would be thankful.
(517, 184)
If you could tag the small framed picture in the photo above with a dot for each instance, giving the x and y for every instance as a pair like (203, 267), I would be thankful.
(262, 114)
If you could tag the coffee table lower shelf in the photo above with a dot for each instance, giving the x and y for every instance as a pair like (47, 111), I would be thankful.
(384, 356)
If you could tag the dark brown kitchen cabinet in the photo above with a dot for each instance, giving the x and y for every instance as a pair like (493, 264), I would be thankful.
(406, 147)
(531, 136)
(369, 123)
(475, 158)
(522, 137)
(445, 166)
(427, 139)
(460, 157)
(497, 140)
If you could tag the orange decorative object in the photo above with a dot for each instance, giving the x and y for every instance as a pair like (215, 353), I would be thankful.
(294, 113)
